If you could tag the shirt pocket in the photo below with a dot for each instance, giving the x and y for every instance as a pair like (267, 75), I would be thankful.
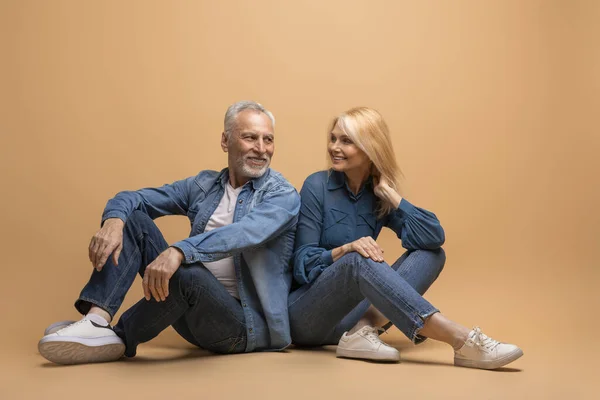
(194, 214)
(366, 225)
(336, 228)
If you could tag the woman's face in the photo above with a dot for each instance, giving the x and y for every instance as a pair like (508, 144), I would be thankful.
(345, 155)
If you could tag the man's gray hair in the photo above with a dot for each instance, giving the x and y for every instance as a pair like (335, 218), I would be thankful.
(236, 108)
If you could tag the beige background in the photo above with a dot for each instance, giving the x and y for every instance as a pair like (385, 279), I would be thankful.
(493, 107)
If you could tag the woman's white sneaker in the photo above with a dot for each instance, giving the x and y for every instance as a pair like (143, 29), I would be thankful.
(84, 341)
(366, 344)
(481, 351)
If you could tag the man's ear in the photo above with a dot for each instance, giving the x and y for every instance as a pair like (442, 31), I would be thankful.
(224, 141)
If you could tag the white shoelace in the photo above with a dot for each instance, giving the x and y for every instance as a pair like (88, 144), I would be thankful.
(482, 340)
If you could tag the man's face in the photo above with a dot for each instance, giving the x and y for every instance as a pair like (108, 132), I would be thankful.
(250, 146)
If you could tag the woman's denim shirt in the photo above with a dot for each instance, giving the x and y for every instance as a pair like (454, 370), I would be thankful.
(331, 216)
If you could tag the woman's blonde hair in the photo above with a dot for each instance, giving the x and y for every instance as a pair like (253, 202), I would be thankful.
(369, 132)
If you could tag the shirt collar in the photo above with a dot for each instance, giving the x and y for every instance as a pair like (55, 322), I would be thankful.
(256, 183)
(337, 180)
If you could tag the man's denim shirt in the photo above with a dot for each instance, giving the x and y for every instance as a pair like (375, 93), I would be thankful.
(260, 239)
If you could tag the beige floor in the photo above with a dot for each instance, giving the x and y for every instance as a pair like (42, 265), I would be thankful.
(169, 368)
(559, 361)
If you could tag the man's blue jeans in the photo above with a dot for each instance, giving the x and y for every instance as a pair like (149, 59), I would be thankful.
(322, 311)
(198, 306)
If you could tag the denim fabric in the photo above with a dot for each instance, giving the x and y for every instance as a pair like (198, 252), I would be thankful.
(331, 216)
(198, 306)
(260, 239)
(334, 295)
(142, 243)
(322, 311)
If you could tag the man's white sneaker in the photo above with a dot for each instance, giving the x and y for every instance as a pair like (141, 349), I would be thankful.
(367, 345)
(57, 326)
(84, 341)
(481, 351)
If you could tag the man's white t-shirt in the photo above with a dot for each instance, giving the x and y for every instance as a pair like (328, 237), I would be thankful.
(223, 269)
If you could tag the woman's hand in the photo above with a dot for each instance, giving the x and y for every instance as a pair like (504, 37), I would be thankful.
(385, 192)
(366, 247)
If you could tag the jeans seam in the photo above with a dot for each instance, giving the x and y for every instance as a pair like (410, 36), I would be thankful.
(417, 322)
(145, 327)
(301, 296)
(234, 340)
(197, 286)
(420, 325)
(154, 245)
(238, 341)
(231, 314)
(121, 277)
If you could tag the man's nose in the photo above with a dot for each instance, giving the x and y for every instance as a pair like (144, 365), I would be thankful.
(260, 146)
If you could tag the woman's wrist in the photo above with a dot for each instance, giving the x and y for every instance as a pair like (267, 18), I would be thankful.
(392, 197)
(339, 252)
(345, 249)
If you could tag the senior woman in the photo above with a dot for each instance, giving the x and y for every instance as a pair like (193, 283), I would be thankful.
(346, 287)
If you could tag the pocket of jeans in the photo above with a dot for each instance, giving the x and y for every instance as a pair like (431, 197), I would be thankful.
(232, 345)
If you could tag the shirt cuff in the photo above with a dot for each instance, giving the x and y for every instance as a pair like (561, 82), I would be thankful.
(405, 207)
(326, 258)
(114, 214)
(188, 251)
(193, 255)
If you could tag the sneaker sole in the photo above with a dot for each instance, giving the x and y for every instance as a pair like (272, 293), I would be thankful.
(70, 352)
(492, 364)
(361, 355)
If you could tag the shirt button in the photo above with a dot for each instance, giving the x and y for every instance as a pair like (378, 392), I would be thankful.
(250, 330)
(244, 305)
(241, 201)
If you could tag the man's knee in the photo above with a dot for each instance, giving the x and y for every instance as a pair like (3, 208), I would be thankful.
(183, 278)
(138, 217)
(188, 279)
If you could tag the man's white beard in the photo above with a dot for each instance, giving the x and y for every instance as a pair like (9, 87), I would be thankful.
(250, 172)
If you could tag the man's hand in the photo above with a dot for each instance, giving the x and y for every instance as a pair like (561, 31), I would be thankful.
(158, 273)
(108, 240)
